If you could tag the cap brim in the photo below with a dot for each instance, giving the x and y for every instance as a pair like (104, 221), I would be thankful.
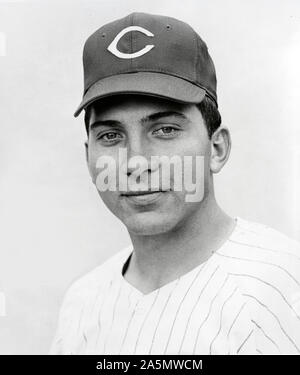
(144, 83)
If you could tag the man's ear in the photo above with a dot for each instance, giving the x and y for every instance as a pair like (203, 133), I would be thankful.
(220, 149)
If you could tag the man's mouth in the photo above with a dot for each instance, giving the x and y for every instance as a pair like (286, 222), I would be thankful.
(139, 193)
(143, 198)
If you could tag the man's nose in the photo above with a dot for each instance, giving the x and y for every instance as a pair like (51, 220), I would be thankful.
(138, 152)
(136, 147)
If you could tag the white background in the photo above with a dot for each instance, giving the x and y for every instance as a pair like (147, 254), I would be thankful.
(54, 227)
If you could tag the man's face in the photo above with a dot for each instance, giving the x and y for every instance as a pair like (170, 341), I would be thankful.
(147, 126)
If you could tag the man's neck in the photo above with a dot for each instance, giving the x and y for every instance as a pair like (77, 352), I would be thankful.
(160, 259)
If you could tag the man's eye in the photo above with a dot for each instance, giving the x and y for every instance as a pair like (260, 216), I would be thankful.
(110, 137)
(166, 131)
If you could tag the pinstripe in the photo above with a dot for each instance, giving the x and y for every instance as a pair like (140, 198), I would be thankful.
(264, 248)
(262, 262)
(100, 311)
(93, 309)
(146, 317)
(278, 321)
(268, 337)
(244, 342)
(97, 297)
(221, 315)
(128, 325)
(272, 286)
(161, 314)
(179, 307)
(247, 229)
(80, 319)
(58, 340)
(84, 337)
(199, 296)
(79, 324)
(129, 296)
(85, 341)
(235, 319)
(208, 314)
(59, 336)
(113, 318)
(56, 343)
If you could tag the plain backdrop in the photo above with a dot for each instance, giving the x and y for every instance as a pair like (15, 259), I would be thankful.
(53, 225)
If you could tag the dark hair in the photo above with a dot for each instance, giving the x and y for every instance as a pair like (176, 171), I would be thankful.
(210, 114)
(207, 107)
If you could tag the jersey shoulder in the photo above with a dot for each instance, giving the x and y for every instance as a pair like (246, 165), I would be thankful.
(265, 266)
(87, 285)
(261, 243)
(264, 263)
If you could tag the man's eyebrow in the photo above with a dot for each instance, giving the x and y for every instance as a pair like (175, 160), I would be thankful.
(104, 123)
(153, 117)
(161, 115)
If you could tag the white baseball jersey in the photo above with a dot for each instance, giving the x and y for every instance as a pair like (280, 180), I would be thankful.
(245, 299)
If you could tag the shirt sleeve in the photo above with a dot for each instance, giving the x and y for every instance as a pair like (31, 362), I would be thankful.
(276, 296)
(68, 316)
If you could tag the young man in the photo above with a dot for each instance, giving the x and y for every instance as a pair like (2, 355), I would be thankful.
(194, 281)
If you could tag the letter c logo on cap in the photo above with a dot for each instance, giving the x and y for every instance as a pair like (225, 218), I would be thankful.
(113, 45)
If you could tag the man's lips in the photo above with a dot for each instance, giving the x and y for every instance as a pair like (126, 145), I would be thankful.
(143, 198)
(139, 193)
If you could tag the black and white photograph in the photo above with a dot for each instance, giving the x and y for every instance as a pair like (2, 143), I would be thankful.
(150, 178)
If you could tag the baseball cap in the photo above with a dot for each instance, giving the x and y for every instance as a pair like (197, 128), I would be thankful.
(150, 55)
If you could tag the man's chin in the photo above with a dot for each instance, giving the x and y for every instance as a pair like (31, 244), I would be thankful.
(149, 224)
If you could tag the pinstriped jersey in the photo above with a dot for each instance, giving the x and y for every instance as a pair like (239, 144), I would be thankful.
(245, 299)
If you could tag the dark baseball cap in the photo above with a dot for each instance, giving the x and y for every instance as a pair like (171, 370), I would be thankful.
(149, 55)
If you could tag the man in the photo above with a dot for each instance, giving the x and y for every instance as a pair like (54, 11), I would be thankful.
(194, 281)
